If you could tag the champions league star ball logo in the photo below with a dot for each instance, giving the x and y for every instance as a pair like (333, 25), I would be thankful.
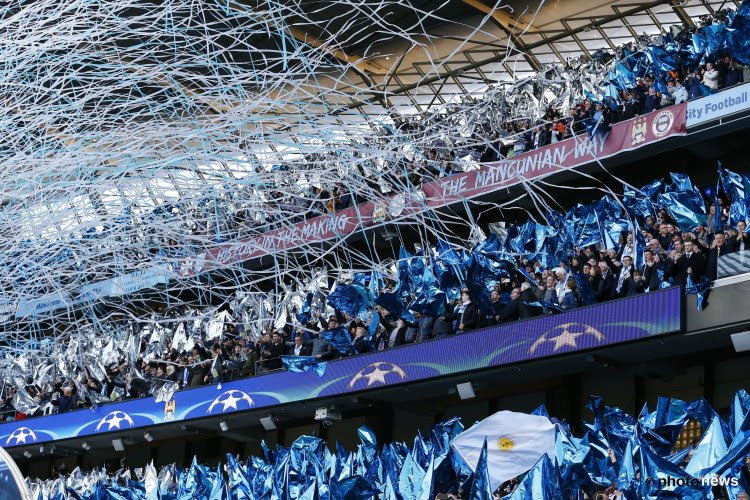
(22, 435)
(114, 420)
(378, 373)
(568, 334)
(231, 400)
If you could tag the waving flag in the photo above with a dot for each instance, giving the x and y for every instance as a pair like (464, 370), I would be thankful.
(515, 443)
(304, 363)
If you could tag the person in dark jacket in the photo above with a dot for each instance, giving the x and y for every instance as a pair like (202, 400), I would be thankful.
(528, 296)
(650, 271)
(300, 347)
(636, 284)
(733, 75)
(443, 326)
(497, 306)
(718, 248)
(424, 326)
(110, 382)
(271, 353)
(510, 311)
(569, 298)
(171, 373)
(630, 106)
(547, 293)
(741, 241)
(360, 342)
(7, 412)
(545, 135)
(322, 349)
(607, 286)
(67, 401)
(693, 85)
(467, 313)
(679, 266)
(411, 332)
(395, 331)
(652, 101)
(595, 278)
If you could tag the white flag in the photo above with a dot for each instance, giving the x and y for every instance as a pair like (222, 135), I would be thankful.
(515, 442)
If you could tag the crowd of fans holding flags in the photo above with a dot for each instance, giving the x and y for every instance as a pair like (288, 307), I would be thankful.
(614, 456)
(594, 253)
(668, 233)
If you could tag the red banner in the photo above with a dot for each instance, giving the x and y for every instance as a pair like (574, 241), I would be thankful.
(564, 155)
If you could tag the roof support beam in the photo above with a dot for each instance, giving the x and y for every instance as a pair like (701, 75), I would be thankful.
(559, 36)
(684, 18)
(508, 24)
(301, 35)
(353, 60)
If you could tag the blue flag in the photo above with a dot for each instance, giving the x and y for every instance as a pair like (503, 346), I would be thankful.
(339, 339)
(300, 364)
(710, 449)
(480, 484)
(541, 482)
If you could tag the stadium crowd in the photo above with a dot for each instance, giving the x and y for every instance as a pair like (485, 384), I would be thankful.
(592, 274)
(674, 255)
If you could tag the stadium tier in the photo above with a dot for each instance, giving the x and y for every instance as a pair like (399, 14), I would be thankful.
(350, 250)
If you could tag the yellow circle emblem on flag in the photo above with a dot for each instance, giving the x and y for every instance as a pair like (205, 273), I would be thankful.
(505, 443)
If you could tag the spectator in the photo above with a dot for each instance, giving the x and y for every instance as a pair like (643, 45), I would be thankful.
(322, 349)
(693, 85)
(68, 401)
(718, 248)
(711, 77)
(300, 347)
(741, 241)
(7, 412)
(607, 284)
(680, 93)
(394, 331)
(170, 373)
(636, 284)
(569, 298)
(547, 294)
(667, 98)
(360, 343)
(694, 263)
(424, 326)
(561, 278)
(443, 326)
(621, 272)
(467, 313)
(650, 272)
(411, 332)
(733, 75)
(652, 101)
(511, 310)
